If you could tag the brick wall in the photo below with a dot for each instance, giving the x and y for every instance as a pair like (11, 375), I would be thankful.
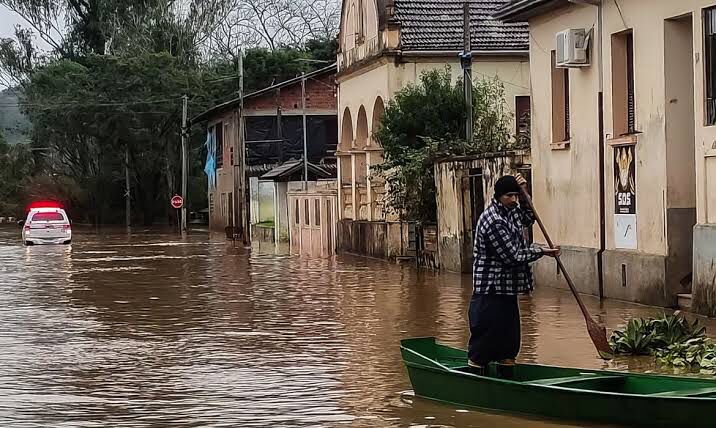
(320, 94)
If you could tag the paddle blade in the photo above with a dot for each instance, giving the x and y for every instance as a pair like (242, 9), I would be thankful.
(598, 334)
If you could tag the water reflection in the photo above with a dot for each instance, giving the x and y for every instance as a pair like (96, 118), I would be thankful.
(154, 330)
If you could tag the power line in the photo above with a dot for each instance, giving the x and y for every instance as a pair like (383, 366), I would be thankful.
(619, 8)
(538, 45)
(322, 83)
(502, 81)
(74, 103)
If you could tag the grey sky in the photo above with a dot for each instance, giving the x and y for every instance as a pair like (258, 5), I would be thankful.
(8, 21)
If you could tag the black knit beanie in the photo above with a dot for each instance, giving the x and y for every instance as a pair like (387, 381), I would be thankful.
(505, 185)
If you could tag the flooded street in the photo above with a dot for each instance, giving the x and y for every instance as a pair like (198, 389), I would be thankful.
(151, 330)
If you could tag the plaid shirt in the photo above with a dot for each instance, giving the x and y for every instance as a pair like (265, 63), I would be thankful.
(501, 253)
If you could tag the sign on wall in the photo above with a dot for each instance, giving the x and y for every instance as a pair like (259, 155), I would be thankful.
(624, 180)
(625, 197)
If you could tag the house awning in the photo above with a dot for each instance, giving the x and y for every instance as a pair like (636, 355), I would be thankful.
(291, 167)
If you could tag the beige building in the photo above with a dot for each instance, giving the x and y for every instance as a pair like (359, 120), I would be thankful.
(464, 189)
(383, 46)
(630, 197)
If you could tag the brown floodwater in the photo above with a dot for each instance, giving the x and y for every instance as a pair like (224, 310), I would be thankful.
(149, 330)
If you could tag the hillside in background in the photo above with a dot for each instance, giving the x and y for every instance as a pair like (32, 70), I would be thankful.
(13, 123)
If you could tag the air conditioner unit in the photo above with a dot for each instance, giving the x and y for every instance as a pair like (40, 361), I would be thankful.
(572, 48)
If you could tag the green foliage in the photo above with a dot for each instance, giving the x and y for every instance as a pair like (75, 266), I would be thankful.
(323, 49)
(671, 338)
(675, 329)
(638, 338)
(426, 122)
(647, 336)
(87, 110)
(15, 163)
(688, 354)
(263, 67)
(12, 122)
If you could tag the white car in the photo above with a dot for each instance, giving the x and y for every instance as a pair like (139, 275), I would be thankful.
(47, 226)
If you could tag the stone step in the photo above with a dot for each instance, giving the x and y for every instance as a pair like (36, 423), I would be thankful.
(684, 301)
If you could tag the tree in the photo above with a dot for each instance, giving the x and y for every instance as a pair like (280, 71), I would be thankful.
(15, 165)
(425, 122)
(273, 24)
(113, 84)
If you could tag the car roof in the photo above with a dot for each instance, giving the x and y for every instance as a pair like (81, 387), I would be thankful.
(47, 210)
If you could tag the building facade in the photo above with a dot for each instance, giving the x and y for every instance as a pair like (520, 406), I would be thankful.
(464, 189)
(273, 136)
(385, 45)
(623, 153)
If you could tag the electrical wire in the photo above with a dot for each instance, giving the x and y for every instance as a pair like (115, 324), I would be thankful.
(538, 45)
(619, 8)
(72, 104)
(502, 81)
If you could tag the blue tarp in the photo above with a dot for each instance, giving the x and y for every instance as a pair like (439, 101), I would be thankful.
(210, 167)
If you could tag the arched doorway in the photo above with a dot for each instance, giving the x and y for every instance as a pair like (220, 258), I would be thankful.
(362, 129)
(360, 145)
(378, 112)
(345, 166)
(346, 131)
(345, 146)
(361, 165)
(374, 153)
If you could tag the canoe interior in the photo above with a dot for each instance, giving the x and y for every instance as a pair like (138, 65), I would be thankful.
(428, 354)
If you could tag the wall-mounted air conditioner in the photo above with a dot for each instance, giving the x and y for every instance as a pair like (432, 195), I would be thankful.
(572, 46)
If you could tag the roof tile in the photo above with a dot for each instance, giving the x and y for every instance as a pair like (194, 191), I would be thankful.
(429, 25)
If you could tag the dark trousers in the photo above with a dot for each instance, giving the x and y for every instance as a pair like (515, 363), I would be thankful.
(494, 328)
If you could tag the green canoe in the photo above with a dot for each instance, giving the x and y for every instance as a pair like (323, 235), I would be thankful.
(440, 373)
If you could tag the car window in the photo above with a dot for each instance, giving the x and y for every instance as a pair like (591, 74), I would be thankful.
(48, 217)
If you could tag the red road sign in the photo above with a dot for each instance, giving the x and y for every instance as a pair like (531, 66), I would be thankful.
(177, 201)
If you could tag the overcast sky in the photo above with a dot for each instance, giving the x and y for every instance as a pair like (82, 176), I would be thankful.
(8, 21)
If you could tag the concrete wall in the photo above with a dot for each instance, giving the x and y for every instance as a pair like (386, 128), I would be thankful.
(379, 239)
(674, 151)
(218, 208)
(281, 215)
(455, 217)
(704, 290)
(350, 16)
(383, 78)
(362, 96)
(562, 188)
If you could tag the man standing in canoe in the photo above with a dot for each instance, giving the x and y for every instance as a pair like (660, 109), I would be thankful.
(501, 272)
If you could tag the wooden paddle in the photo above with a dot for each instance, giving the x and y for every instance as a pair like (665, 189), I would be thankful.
(597, 332)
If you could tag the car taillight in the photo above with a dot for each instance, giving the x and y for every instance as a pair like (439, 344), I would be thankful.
(27, 227)
(65, 226)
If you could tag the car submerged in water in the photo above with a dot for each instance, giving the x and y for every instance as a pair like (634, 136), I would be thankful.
(46, 225)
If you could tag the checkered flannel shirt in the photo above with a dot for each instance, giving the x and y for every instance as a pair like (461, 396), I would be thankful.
(501, 253)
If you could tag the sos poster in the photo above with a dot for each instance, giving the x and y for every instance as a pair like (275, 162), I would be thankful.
(624, 180)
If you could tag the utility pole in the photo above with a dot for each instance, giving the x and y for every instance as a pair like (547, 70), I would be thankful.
(279, 126)
(127, 191)
(240, 215)
(466, 63)
(184, 161)
(305, 142)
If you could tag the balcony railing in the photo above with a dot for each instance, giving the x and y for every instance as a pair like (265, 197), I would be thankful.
(369, 47)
